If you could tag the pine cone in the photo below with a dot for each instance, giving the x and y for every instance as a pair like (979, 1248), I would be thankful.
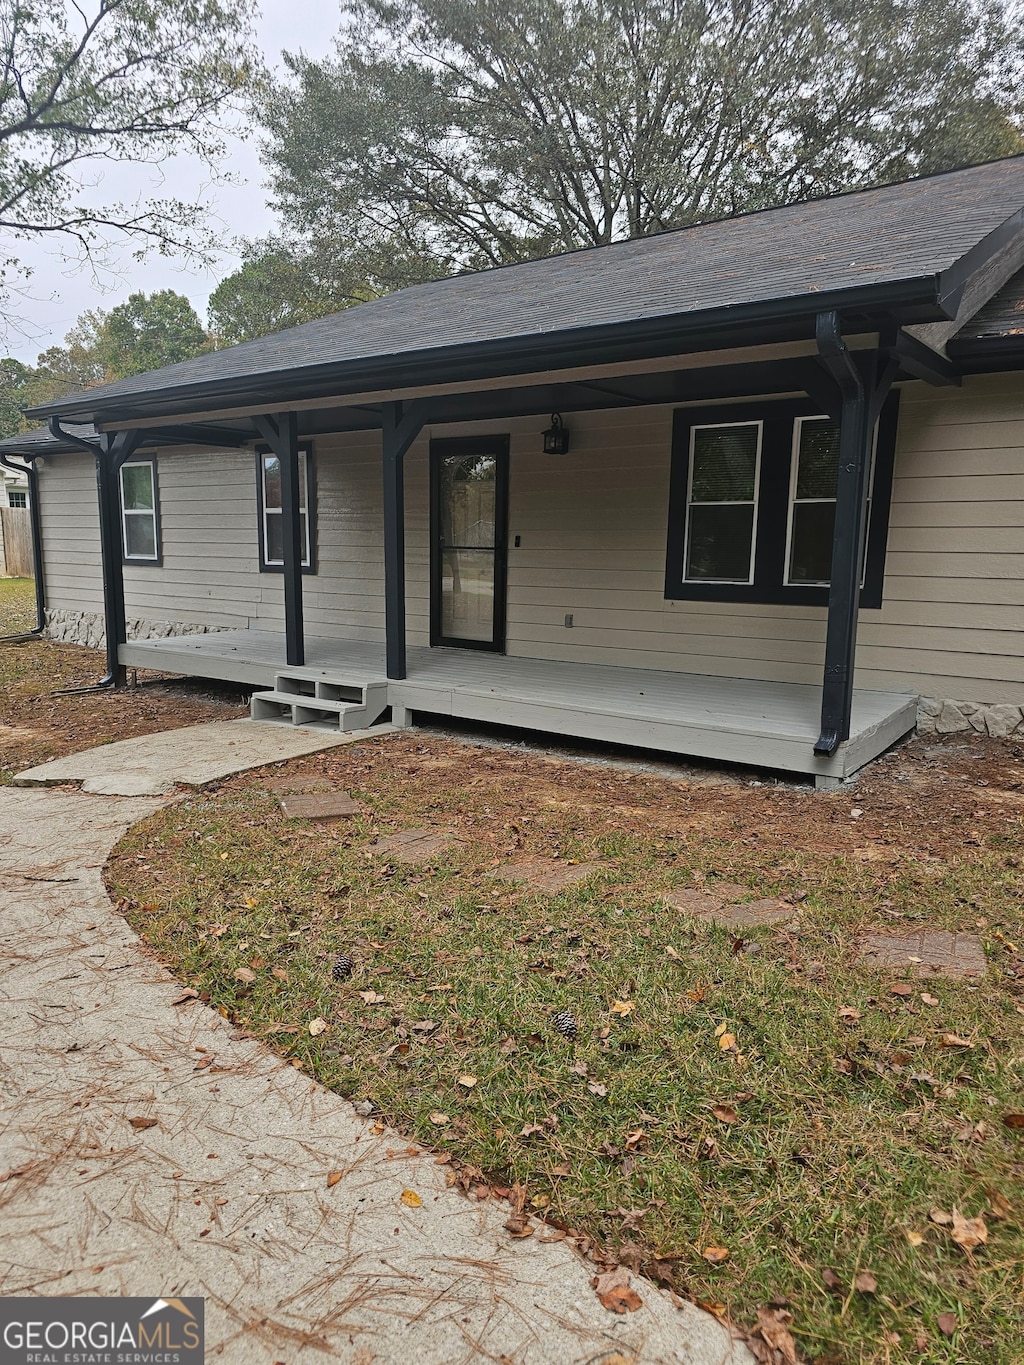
(565, 1023)
(342, 968)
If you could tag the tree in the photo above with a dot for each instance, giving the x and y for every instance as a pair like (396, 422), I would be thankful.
(89, 82)
(280, 284)
(143, 333)
(457, 134)
(147, 332)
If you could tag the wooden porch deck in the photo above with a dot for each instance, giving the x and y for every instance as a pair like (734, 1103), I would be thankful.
(732, 720)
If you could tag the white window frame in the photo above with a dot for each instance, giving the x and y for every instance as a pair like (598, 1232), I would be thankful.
(150, 512)
(794, 474)
(305, 465)
(20, 494)
(718, 426)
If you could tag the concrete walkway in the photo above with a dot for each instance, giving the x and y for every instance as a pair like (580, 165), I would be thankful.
(226, 1195)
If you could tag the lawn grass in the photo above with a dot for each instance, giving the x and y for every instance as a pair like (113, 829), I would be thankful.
(846, 1131)
(38, 721)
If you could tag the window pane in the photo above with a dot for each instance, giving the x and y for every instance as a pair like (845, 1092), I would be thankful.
(819, 460)
(811, 554)
(719, 543)
(271, 481)
(137, 486)
(467, 594)
(468, 494)
(724, 463)
(275, 538)
(140, 535)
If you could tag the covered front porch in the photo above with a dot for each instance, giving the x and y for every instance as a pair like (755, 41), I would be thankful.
(731, 720)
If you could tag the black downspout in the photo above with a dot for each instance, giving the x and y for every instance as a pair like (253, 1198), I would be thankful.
(36, 525)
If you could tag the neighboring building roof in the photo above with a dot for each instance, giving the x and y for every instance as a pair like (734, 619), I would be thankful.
(901, 246)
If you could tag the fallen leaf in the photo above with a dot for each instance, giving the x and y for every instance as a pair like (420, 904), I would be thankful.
(185, 995)
(727, 1041)
(438, 1119)
(424, 1026)
(849, 1015)
(715, 1255)
(333, 1178)
(928, 1000)
(998, 1205)
(279, 973)
(411, 1199)
(954, 1040)
(671, 952)
(597, 1089)
(902, 989)
(139, 1124)
(245, 974)
(721, 1029)
(865, 1283)
(217, 930)
(832, 1282)
(968, 1232)
(725, 1113)
(623, 1007)
(317, 1026)
(614, 1292)
(947, 1323)
(519, 1225)
(1015, 1121)
(915, 1239)
(635, 1139)
(528, 1129)
(772, 1323)
(467, 1082)
(941, 1217)
(372, 998)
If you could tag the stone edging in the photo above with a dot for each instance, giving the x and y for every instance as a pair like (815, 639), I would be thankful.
(936, 715)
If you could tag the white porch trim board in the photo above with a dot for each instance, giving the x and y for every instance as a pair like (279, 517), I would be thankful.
(732, 720)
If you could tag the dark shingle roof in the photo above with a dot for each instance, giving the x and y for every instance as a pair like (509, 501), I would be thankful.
(809, 252)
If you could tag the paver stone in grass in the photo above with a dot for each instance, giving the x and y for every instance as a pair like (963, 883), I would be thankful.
(547, 875)
(926, 952)
(415, 845)
(320, 806)
(720, 904)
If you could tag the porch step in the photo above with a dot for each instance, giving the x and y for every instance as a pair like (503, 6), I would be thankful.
(308, 697)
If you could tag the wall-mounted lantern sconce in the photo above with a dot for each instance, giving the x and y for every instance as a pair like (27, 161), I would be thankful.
(556, 438)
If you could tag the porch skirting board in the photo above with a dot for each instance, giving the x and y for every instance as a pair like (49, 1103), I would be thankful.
(87, 628)
(730, 720)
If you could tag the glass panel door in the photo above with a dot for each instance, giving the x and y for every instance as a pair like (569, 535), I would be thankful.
(469, 483)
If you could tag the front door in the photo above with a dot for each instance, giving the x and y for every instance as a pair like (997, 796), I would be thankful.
(468, 515)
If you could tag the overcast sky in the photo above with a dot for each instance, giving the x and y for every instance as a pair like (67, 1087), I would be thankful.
(59, 295)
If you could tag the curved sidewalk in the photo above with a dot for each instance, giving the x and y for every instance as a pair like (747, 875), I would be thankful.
(226, 1195)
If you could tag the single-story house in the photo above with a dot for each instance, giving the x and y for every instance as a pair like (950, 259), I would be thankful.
(681, 492)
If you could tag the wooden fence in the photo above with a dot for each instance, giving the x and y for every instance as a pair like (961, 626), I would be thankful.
(16, 542)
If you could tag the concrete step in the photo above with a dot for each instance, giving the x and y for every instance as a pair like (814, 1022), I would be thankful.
(308, 698)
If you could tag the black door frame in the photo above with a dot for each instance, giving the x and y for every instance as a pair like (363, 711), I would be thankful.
(443, 448)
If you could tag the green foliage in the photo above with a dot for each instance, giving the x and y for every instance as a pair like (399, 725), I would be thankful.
(121, 81)
(144, 333)
(281, 284)
(453, 134)
(147, 332)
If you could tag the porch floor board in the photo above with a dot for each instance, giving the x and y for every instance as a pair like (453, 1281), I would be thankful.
(734, 720)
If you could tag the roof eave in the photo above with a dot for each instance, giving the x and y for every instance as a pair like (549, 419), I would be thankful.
(918, 299)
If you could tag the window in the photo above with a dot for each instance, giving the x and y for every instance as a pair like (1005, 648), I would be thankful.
(722, 502)
(140, 528)
(268, 473)
(17, 497)
(753, 499)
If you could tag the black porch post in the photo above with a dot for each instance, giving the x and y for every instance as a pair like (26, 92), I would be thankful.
(400, 427)
(282, 435)
(862, 395)
(114, 449)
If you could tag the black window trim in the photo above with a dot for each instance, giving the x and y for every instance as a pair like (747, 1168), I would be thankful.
(141, 561)
(769, 587)
(306, 448)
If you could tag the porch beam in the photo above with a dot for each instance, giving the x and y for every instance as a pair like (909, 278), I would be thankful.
(281, 433)
(401, 423)
(861, 389)
(922, 362)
